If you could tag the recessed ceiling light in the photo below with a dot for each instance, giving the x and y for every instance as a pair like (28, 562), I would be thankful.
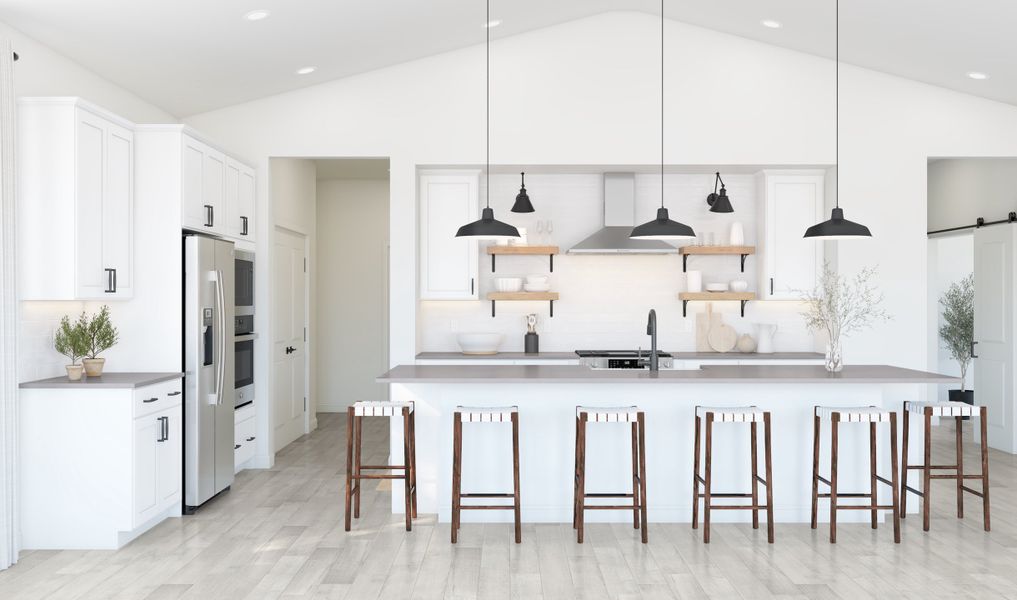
(492, 23)
(306, 70)
(977, 75)
(771, 23)
(257, 15)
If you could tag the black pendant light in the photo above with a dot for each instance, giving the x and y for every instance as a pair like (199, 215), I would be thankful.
(837, 228)
(488, 228)
(662, 228)
(522, 204)
(719, 203)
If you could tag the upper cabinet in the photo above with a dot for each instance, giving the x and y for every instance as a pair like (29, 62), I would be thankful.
(448, 265)
(239, 199)
(218, 192)
(75, 201)
(789, 263)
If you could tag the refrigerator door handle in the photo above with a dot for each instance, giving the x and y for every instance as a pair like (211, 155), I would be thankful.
(221, 310)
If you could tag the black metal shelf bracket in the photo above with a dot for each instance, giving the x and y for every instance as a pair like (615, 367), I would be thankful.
(550, 257)
(685, 262)
(744, 302)
(744, 256)
(685, 305)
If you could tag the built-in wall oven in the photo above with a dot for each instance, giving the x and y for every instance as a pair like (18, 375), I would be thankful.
(243, 330)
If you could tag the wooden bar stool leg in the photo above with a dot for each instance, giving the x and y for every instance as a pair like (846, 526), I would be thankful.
(457, 459)
(815, 468)
(894, 477)
(575, 482)
(769, 476)
(960, 467)
(834, 422)
(984, 425)
(408, 490)
(873, 490)
(515, 478)
(635, 475)
(413, 459)
(581, 492)
(706, 477)
(755, 474)
(358, 432)
(695, 476)
(904, 464)
(349, 464)
(927, 471)
(642, 475)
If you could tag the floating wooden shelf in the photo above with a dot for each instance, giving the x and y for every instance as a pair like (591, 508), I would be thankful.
(495, 250)
(549, 297)
(743, 251)
(742, 297)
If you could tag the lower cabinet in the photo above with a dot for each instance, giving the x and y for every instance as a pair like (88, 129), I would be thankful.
(99, 466)
(245, 440)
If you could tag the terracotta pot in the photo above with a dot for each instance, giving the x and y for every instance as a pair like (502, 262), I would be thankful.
(93, 366)
(74, 372)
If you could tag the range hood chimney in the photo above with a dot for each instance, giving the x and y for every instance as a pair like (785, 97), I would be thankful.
(619, 218)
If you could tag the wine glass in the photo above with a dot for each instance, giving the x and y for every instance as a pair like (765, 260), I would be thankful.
(550, 230)
(540, 231)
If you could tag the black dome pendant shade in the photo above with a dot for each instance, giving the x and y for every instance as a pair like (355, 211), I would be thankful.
(719, 203)
(488, 228)
(837, 228)
(522, 204)
(662, 228)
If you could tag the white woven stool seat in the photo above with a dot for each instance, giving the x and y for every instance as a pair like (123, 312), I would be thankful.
(378, 408)
(943, 409)
(732, 414)
(486, 414)
(855, 414)
(609, 414)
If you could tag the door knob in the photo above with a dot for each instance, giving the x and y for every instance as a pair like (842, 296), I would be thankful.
(290, 349)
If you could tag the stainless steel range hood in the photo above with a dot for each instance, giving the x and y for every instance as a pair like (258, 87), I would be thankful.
(619, 218)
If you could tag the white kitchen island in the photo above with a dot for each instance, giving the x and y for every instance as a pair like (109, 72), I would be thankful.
(547, 396)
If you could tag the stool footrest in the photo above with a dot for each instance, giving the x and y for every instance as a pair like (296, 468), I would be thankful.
(913, 490)
(362, 467)
(922, 467)
(386, 476)
(823, 479)
(738, 507)
(761, 480)
(884, 480)
(486, 507)
(865, 507)
(607, 495)
(487, 495)
(725, 495)
(955, 477)
(846, 495)
(971, 491)
(608, 507)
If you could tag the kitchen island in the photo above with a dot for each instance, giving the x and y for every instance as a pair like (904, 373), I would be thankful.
(548, 394)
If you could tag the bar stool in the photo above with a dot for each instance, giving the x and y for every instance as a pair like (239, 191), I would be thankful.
(959, 411)
(354, 431)
(751, 415)
(476, 414)
(871, 415)
(627, 414)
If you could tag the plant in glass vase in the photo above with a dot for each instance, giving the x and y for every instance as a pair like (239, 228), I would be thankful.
(840, 305)
(958, 330)
(71, 340)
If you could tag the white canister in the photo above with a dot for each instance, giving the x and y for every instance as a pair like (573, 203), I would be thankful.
(737, 235)
(694, 281)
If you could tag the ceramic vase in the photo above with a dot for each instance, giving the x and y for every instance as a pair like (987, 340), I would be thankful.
(737, 235)
(694, 281)
(764, 333)
(746, 343)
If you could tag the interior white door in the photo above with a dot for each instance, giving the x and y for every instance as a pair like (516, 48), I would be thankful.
(289, 284)
(994, 331)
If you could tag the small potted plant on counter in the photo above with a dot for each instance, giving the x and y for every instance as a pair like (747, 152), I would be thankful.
(958, 331)
(840, 305)
(72, 341)
(102, 336)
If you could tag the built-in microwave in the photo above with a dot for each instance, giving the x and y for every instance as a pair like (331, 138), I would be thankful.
(244, 286)
(243, 329)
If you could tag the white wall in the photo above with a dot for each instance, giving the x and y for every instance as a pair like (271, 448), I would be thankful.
(550, 105)
(961, 190)
(352, 280)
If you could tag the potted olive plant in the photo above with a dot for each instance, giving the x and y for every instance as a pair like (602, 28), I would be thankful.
(840, 305)
(71, 340)
(958, 330)
(102, 336)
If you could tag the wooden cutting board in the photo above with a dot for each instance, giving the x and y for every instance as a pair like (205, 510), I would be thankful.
(723, 338)
(703, 329)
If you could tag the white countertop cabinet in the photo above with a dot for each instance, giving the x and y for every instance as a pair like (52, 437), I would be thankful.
(99, 466)
(75, 201)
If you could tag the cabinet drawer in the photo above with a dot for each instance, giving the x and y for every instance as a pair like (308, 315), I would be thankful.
(153, 398)
(245, 442)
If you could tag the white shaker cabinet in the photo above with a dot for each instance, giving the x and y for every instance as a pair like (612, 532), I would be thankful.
(448, 265)
(75, 201)
(203, 187)
(239, 200)
(790, 263)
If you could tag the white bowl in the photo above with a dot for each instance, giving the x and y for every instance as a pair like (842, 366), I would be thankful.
(538, 279)
(716, 287)
(739, 285)
(537, 287)
(508, 284)
(479, 343)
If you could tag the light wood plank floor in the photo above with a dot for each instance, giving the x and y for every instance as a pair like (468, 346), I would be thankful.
(278, 534)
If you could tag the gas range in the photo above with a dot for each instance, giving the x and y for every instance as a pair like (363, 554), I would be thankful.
(621, 359)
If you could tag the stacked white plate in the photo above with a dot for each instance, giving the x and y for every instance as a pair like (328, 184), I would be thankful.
(716, 287)
(537, 283)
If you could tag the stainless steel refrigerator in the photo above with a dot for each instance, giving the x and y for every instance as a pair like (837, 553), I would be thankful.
(208, 368)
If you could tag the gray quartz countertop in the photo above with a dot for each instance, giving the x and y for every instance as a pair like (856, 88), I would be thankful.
(108, 380)
(572, 356)
(871, 374)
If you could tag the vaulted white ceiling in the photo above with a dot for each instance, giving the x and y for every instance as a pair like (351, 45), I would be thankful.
(190, 56)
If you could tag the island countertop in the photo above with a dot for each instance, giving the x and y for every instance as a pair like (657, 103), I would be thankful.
(814, 374)
(563, 356)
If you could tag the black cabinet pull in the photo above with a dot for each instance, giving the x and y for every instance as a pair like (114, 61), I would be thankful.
(471, 284)
(209, 215)
(236, 446)
(250, 439)
(243, 221)
(163, 429)
(771, 286)
(173, 394)
(111, 281)
(973, 355)
(149, 400)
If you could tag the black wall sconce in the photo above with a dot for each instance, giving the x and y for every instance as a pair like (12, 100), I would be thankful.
(719, 203)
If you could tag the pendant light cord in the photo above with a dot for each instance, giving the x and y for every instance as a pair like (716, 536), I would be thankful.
(662, 103)
(836, 111)
(487, 115)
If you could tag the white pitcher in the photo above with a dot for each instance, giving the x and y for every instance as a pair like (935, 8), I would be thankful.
(764, 337)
